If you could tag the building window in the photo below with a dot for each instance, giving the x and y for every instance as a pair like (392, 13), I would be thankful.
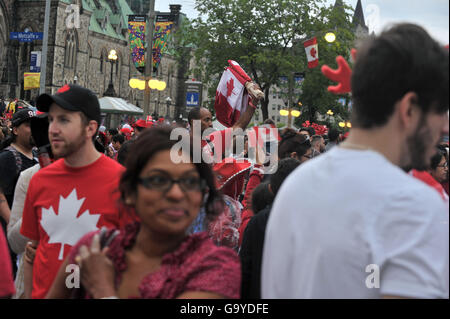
(278, 119)
(70, 50)
(273, 117)
(102, 61)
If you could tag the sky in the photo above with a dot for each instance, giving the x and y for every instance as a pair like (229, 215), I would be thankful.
(431, 14)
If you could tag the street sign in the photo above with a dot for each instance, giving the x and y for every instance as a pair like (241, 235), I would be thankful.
(26, 36)
(35, 61)
(193, 93)
(192, 99)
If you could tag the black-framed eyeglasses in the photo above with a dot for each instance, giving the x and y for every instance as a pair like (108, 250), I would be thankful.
(308, 156)
(443, 165)
(164, 183)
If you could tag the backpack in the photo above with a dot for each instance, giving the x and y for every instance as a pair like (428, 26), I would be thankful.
(17, 157)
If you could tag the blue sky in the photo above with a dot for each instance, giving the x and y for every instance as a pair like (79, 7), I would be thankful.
(431, 14)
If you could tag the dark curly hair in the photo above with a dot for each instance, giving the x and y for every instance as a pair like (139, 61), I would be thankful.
(149, 143)
(291, 142)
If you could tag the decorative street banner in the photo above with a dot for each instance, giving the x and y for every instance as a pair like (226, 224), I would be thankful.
(31, 81)
(163, 27)
(136, 29)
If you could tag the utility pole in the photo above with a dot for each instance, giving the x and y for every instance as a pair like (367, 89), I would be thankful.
(44, 48)
(149, 58)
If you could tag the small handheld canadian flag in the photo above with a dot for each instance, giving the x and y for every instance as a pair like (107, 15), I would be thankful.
(312, 52)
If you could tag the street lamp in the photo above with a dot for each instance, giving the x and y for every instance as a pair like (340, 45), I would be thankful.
(153, 84)
(290, 113)
(330, 37)
(168, 102)
(112, 57)
(345, 124)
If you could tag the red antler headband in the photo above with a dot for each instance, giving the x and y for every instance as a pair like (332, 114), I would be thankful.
(342, 75)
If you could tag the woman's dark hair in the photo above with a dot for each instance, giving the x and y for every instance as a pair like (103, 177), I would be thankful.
(293, 142)
(402, 59)
(149, 143)
(437, 158)
(261, 197)
(122, 154)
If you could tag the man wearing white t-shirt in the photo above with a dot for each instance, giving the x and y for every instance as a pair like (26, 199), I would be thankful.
(377, 232)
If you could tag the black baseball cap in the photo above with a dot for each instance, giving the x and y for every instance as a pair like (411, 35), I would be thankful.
(74, 98)
(21, 116)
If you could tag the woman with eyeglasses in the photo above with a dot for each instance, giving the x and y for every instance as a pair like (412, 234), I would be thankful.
(155, 258)
(295, 145)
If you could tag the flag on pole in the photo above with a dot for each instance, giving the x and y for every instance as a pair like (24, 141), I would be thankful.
(312, 52)
(231, 95)
(31, 81)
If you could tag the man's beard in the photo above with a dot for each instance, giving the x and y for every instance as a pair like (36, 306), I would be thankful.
(416, 148)
(68, 149)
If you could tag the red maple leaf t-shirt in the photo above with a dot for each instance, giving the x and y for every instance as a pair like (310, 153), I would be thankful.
(62, 205)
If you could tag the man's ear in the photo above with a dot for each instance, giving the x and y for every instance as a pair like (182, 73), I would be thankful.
(294, 155)
(409, 111)
(92, 128)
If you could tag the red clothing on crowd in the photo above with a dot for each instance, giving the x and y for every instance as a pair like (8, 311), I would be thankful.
(425, 177)
(64, 203)
(254, 180)
(196, 265)
(6, 276)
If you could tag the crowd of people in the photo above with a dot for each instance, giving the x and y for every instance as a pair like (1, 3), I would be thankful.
(113, 203)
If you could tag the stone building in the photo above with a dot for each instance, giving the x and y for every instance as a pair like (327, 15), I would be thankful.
(79, 53)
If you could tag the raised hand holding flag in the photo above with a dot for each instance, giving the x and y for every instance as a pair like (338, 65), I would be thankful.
(232, 94)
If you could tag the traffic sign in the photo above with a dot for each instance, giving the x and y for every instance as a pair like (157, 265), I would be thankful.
(26, 36)
(35, 61)
(192, 99)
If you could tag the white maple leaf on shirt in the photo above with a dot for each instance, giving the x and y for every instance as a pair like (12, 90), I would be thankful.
(66, 228)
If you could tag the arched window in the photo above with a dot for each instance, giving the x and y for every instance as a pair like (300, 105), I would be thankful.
(103, 57)
(71, 48)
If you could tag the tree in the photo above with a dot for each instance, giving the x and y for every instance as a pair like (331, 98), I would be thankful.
(264, 36)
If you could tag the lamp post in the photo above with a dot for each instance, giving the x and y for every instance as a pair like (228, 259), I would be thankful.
(112, 57)
(345, 125)
(168, 102)
(152, 84)
(290, 113)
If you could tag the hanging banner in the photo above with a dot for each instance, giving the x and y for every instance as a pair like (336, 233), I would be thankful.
(136, 29)
(31, 81)
(163, 28)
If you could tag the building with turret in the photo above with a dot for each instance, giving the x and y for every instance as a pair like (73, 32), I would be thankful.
(78, 53)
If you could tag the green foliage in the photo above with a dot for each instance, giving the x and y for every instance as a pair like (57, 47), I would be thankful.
(266, 38)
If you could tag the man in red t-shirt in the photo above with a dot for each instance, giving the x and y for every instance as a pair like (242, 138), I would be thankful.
(76, 194)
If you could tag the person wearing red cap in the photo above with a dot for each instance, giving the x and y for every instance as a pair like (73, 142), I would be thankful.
(140, 126)
(125, 131)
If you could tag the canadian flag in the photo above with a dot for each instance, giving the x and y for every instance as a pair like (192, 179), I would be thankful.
(312, 52)
(231, 95)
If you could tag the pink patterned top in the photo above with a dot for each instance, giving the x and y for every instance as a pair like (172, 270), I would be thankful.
(197, 265)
